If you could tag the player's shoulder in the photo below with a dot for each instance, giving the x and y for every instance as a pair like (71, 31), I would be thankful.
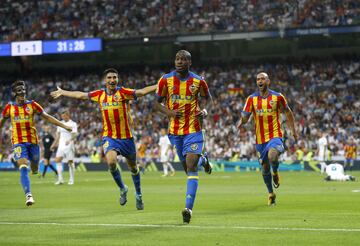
(169, 75)
(275, 93)
(255, 94)
(196, 76)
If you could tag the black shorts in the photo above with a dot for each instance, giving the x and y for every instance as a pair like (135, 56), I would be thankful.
(47, 154)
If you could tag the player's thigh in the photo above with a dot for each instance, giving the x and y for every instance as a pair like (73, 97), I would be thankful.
(21, 154)
(111, 157)
(273, 154)
(192, 160)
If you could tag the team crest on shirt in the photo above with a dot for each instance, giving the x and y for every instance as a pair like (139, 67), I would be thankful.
(116, 98)
(194, 146)
(192, 88)
(271, 102)
(174, 88)
(28, 110)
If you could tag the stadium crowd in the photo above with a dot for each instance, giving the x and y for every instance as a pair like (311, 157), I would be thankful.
(112, 19)
(322, 94)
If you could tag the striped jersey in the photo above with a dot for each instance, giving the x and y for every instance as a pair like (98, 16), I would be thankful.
(22, 121)
(183, 95)
(350, 151)
(115, 109)
(266, 112)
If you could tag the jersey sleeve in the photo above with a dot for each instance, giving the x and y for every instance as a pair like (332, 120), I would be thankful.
(6, 111)
(128, 93)
(74, 128)
(161, 90)
(283, 101)
(204, 89)
(37, 108)
(95, 95)
(248, 107)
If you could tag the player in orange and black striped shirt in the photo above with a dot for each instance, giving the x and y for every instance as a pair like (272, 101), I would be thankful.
(24, 136)
(117, 126)
(181, 89)
(266, 107)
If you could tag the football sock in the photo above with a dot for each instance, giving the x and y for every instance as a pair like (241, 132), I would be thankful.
(53, 168)
(135, 174)
(59, 170)
(71, 171)
(171, 167)
(44, 171)
(192, 185)
(117, 177)
(275, 166)
(267, 181)
(24, 179)
(165, 167)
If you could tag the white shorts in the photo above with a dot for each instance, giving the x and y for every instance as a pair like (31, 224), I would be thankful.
(164, 158)
(67, 154)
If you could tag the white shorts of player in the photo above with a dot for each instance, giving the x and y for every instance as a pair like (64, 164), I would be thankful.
(340, 177)
(67, 154)
(164, 158)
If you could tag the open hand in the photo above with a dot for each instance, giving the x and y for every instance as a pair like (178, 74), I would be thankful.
(56, 94)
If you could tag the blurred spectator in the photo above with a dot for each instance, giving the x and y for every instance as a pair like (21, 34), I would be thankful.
(113, 19)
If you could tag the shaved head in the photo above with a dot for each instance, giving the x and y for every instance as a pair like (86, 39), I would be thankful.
(263, 74)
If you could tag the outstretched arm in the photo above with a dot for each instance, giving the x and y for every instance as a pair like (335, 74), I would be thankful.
(290, 118)
(73, 94)
(54, 121)
(146, 90)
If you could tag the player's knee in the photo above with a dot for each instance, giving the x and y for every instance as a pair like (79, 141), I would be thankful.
(22, 162)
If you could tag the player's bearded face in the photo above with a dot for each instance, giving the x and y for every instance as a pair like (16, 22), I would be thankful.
(111, 80)
(262, 82)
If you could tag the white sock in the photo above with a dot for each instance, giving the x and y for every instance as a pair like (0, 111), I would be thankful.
(171, 167)
(71, 172)
(59, 170)
(165, 169)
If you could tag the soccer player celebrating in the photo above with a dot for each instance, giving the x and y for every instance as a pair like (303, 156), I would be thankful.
(181, 89)
(117, 123)
(24, 136)
(266, 106)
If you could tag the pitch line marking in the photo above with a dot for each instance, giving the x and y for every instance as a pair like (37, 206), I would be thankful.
(186, 226)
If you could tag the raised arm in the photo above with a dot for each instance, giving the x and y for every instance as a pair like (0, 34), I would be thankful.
(54, 121)
(73, 94)
(146, 90)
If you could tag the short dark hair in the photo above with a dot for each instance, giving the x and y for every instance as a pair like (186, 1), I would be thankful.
(16, 84)
(110, 70)
(186, 53)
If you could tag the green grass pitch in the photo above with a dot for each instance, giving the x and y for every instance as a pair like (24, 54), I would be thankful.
(230, 209)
